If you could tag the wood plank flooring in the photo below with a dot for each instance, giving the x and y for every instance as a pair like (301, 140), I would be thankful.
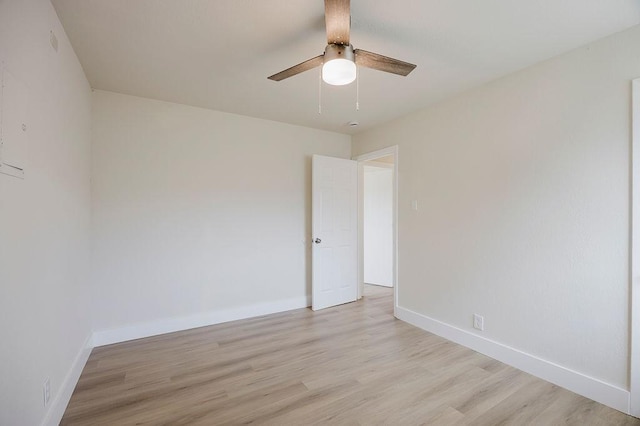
(353, 364)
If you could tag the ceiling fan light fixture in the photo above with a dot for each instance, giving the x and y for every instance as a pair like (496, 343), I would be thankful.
(339, 67)
(339, 72)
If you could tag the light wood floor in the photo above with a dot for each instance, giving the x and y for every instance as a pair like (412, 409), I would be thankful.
(353, 364)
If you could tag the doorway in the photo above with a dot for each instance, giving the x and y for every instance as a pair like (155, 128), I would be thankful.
(377, 222)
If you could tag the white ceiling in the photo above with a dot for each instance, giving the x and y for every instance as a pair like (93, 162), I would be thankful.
(217, 54)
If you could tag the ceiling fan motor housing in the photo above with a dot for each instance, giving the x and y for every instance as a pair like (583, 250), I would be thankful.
(339, 51)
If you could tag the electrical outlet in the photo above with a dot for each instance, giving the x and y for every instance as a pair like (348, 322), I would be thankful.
(478, 322)
(46, 391)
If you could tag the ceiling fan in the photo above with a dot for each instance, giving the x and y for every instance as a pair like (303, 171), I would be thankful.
(340, 59)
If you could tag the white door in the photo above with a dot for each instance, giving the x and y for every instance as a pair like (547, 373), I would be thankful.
(335, 231)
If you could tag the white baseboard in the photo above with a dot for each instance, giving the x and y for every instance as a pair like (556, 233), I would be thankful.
(579, 383)
(380, 285)
(169, 325)
(63, 395)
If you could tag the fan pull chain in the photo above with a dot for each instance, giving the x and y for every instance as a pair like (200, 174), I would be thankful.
(320, 92)
(357, 88)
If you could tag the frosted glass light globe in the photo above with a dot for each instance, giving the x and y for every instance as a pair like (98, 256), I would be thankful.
(339, 72)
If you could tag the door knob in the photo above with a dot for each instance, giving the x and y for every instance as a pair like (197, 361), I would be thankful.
(317, 241)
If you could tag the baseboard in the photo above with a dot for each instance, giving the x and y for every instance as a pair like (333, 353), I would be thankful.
(170, 325)
(574, 381)
(380, 285)
(63, 395)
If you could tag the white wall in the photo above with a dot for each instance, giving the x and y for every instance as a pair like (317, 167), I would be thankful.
(44, 222)
(378, 225)
(198, 216)
(523, 186)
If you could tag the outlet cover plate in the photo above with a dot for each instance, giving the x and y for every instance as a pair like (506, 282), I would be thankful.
(46, 392)
(478, 322)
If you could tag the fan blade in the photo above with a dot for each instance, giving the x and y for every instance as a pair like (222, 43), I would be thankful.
(382, 63)
(297, 69)
(337, 18)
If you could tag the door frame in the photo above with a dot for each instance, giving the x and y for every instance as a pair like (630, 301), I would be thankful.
(634, 279)
(361, 159)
